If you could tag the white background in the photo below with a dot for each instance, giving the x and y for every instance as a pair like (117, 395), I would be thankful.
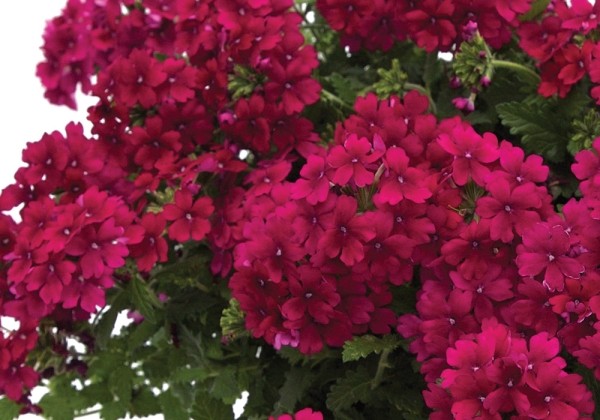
(24, 113)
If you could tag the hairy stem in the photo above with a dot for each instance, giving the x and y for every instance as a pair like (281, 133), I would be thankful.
(334, 98)
(381, 366)
(519, 68)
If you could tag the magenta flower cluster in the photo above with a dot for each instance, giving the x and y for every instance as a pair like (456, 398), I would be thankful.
(311, 239)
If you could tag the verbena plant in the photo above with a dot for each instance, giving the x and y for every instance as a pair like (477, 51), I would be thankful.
(307, 201)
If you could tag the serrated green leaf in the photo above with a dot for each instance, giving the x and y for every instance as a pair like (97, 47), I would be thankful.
(540, 130)
(365, 345)
(225, 386)
(55, 407)
(120, 383)
(144, 403)
(297, 380)
(171, 407)
(141, 333)
(537, 8)
(185, 374)
(346, 87)
(63, 400)
(113, 410)
(207, 408)
(106, 324)
(8, 409)
(144, 299)
(355, 386)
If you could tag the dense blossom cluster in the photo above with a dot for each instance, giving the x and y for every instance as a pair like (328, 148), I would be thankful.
(312, 239)
(433, 25)
(519, 267)
(564, 47)
(165, 117)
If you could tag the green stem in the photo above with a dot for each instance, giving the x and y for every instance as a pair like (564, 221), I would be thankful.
(381, 366)
(424, 91)
(516, 67)
(88, 413)
(307, 24)
(334, 98)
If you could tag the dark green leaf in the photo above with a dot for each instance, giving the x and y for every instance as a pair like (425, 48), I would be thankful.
(208, 408)
(113, 410)
(186, 374)
(540, 130)
(172, 407)
(63, 400)
(297, 381)
(537, 7)
(225, 386)
(8, 409)
(355, 386)
(144, 403)
(141, 333)
(105, 326)
(365, 345)
(120, 383)
(346, 87)
(144, 299)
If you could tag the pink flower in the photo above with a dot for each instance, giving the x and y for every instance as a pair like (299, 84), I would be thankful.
(310, 295)
(352, 160)
(346, 234)
(189, 217)
(544, 250)
(471, 153)
(402, 181)
(314, 184)
(509, 209)
(99, 247)
(153, 247)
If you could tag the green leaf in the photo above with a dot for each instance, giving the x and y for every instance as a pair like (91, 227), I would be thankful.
(141, 333)
(297, 381)
(186, 374)
(355, 386)
(537, 8)
(225, 386)
(144, 299)
(346, 87)
(365, 345)
(63, 400)
(120, 383)
(104, 327)
(144, 403)
(540, 129)
(8, 409)
(171, 407)
(113, 410)
(207, 408)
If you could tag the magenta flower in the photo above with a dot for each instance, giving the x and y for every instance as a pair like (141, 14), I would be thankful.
(509, 209)
(352, 161)
(347, 233)
(153, 247)
(189, 218)
(544, 250)
(471, 153)
(99, 247)
(314, 184)
(310, 295)
(558, 394)
(402, 181)
(138, 77)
